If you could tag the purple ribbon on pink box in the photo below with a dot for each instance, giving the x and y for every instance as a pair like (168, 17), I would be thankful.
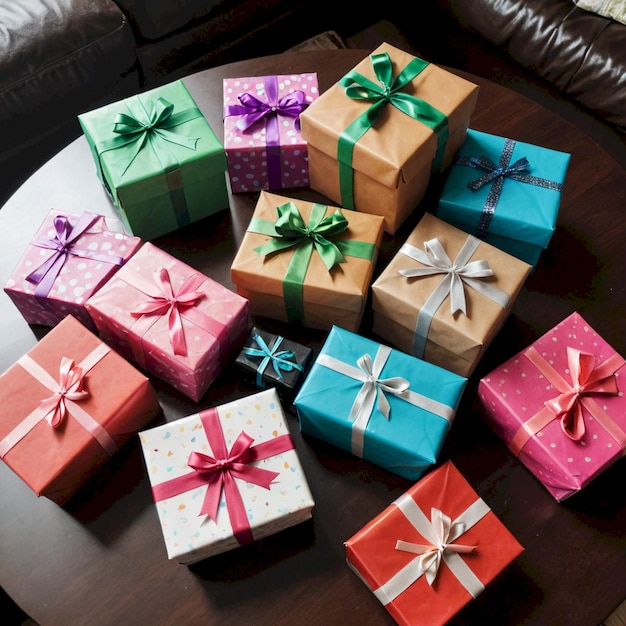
(253, 110)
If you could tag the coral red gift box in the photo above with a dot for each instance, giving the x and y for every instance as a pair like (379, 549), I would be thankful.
(397, 557)
(560, 407)
(172, 320)
(262, 140)
(66, 407)
(68, 259)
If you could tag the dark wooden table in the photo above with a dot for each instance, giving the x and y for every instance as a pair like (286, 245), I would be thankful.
(101, 558)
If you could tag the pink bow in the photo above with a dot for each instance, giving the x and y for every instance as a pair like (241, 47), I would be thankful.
(171, 303)
(586, 379)
(70, 386)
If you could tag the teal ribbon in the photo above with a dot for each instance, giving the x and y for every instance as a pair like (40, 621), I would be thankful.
(289, 231)
(280, 359)
(151, 124)
(386, 91)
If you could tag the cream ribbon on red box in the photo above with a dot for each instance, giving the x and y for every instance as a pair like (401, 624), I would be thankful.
(374, 388)
(67, 392)
(567, 406)
(440, 532)
(457, 273)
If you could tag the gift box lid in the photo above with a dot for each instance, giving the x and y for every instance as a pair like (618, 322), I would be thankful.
(182, 140)
(343, 287)
(526, 209)
(422, 400)
(384, 153)
(389, 552)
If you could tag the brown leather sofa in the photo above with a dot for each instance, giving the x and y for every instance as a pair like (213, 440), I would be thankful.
(61, 57)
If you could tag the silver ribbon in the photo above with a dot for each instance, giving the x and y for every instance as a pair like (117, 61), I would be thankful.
(440, 531)
(457, 273)
(373, 390)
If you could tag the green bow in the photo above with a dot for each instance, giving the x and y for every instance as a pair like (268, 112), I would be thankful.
(386, 91)
(150, 124)
(290, 231)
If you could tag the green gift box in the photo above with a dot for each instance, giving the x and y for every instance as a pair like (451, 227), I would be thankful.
(505, 192)
(159, 159)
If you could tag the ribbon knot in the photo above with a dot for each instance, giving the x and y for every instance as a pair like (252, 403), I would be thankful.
(494, 171)
(444, 533)
(586, 379)
(172, 303)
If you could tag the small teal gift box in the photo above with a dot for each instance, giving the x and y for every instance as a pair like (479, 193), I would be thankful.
(505, 192)
(378, 403)
(159, 160)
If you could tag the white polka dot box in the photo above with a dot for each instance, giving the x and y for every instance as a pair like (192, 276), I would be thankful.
(68, 259)
(559, 406)
(176, 323)
(225, 477)
(262, 140)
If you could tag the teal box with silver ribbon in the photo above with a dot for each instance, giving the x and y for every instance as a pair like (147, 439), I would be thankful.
(378, 403)
(505, 192)
(159, 160)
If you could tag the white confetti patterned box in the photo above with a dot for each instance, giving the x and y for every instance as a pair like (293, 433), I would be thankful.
(225, 477)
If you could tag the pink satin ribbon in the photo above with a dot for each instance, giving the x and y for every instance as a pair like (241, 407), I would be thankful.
(177, 306)
(67, 392)
(218, 473)
(568, 405)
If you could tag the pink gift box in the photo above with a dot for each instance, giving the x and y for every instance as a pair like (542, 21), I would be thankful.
(176, 323)
(262, 140)
(67, 261)
(560, 407)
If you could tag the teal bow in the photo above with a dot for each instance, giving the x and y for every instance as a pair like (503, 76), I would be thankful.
(280, 359)
(386, 91)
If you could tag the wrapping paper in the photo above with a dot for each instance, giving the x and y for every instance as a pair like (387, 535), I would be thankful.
(566, 450)
(455, 341)
(516, 212)
(55, 452)
(336, 296)
(268, 359)
(191, 535)
(159, 160)
(375, 556)
(338, 404)
(262, 140)
(133, 312)
(67, 261)
(392, 162)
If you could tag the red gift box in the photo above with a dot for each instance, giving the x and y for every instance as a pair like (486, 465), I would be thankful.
(66, 407)
(432, 550)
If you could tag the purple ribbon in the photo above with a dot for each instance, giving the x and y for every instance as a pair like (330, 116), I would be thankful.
(253, 110)
(63, 244)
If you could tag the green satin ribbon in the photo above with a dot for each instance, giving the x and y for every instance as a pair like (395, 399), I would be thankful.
(386, 91)
(290, 231)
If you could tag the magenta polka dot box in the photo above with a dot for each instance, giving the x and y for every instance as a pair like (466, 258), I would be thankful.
(262, 140)
(69, 258)
(559, 405)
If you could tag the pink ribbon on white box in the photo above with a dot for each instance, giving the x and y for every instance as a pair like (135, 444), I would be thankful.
(374, 389)
(177, 304)
(440, 532)
(67, 392)
(567, 406)
(218, 473)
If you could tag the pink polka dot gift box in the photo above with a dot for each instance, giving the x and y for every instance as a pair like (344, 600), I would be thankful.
(173, 321)
(559, 405)
(69, 258)
(262, 140)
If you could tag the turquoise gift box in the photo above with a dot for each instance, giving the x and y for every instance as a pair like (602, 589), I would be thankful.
(506, 192)
(159, 160)
(378, 403)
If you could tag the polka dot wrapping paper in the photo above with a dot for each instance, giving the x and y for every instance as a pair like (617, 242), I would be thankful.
(189, 534)
(560, 406)
(61, 281)
(187, 350)
(262, 140)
